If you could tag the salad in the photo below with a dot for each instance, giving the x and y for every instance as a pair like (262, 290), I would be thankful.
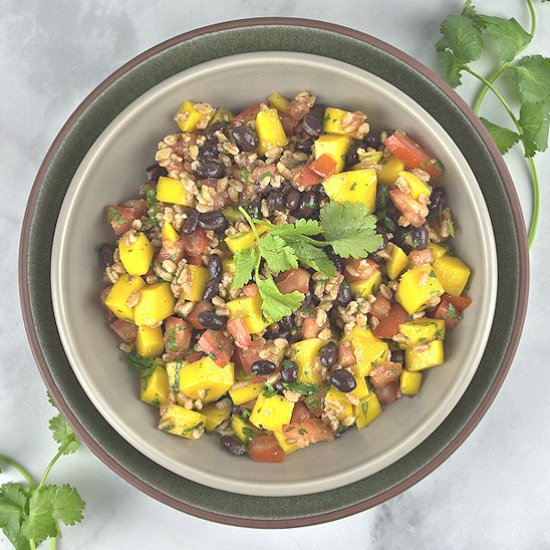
(283, 275)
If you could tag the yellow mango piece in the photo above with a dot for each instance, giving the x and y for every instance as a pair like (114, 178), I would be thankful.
(391, 166)
(335, 147)
(421, 331)
(287, 447)
(244, 241)
(339, 402)
(154, 388)
(136, 256)
(229, 267)
(245, 394)
(367, 159)
(149, 341)
(333, 123)
(119, 294)
(155, 304)
(169, 233)
(304, 353)
(397, 262)
(172, 190)
(452, 273)
(181, 421)
(361, 389)
(368, 286)
(194, 288)
(368, 349)
(409, 382)
(222, 115)
(173, 369)
(438, 251)
(280, 102)
(270, 131)
(421, 359)
(205, 380)
(215, 416)
(418, 286)
(353, 186)
(367, 410)
(270, 413)
(248, 308)
(190, 114)
(244, 431)
(416, 186)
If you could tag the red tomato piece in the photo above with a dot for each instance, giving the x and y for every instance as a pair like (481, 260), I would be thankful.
(139, 206)
(384, 373)
(412, 155)
(120, 218)
(247, 357)
(389, 325)
(125, 330)
(193, 317)
(293, 279)
(325, 166)
(420, 257)
(451, 315)
(264, 448)
(305, 177)
(346, 355)
(251, 290)
(238, 329)
(300, 413)
(389, 393)
(310, 328)
(289, 124)
(408, 207)
(194, 356)
(177, 337)
(359, 270)
(309, 430)
(460, 302)
(171, 250)
(300, 106)
(248, 115)
(381, 307)
(196, 243)
(218, 346)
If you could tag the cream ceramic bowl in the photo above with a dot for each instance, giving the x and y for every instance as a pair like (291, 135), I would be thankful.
(112, 171)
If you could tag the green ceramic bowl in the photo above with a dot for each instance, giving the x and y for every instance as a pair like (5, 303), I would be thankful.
(439, 421)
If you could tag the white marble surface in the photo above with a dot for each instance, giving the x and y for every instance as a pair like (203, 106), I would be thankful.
(492, 493)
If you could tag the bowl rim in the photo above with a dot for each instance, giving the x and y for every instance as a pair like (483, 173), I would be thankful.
(435, 461)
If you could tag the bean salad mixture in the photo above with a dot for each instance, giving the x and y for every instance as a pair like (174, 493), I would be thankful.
(284, 274)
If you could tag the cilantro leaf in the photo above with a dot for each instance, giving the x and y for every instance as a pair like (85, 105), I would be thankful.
(532, 74)
(309, 228)
(275, 304)
(13, 502)
(63, 434)
(534, 120)
(350, 229)
(510, 36)
(462, 37)
(277, 254)
(504, 138)
(245, 262)
(450, 68)
(312, 256)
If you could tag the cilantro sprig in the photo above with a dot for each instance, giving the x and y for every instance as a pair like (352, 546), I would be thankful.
(347, 228)
(30, 513)
(464, 38)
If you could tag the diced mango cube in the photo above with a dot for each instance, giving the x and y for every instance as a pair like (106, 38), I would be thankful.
(339, 402)
(353, 186)
(429, 355)
(136, 256)
(205, 380)
(391, 166)
(248, 308)
(229, 267)
(418, 286)
(215, 416)
(222, 115)
(155, 304)
(173, 369)
(367, 410)
(180, 421)
(193, 289)
(453, 274)
(416, 186)
(245, 240)
(287, 447)
(118, 296)
(244, 431)
(280, 102)
(409, 382)
(361, 389)
(191, 113)
(169, 233)
(367, 159)
(368, 286)
(304, 353)
(397, 262)
(172, 190)
(154, 388)
(368, 349)
(244, 394)
(421, 331)
(438, 251)
(270, 413)
(149, 341)
(335, 147)
(333, 123)
(270, 131)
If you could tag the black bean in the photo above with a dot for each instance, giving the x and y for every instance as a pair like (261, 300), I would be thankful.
(286, 323)
(211, 290)
(310, 300)
(343, 380)
(329, 355)
(232, 445)
(381, 230)
(253, 208)
(304, 146)
(106, 253)
(210, 132)
(263, 366)
(309, 205)
(352, 157)
(272, 335)
(399, 235)
(191, 222)
(208, 151)
(292, 200)
(398, 356)
(245, 138)
(420, 238)
(437, 198)
(154, 172)
(208, 319)
(215, 267)
(344, 294)
(275, 202)
(215, 221)
(371, 140)
(211, 170)
(312, 123)
(289, 371)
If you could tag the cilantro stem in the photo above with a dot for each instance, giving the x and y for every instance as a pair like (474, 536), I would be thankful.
(53, 461)
(32, 544)
(53, 542)
(20, 469)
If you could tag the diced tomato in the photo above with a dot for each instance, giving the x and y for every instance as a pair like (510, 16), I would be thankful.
(452, 317)
(325, 166)
(293, 279)
(310, 328)
(315, 403)
(139, 206)
(264, 448)
(177, 337)
(384, 373)
(120, 218)
(249, 404)
(300, 106)
(389, 325)
(194, 356)
(305, 177)
(209, 182)
(412, 155)
(247, 357)
(346, 355)
(289, 124)
(381, 307)
(196, 243)
(259, 172)
(238, 329)
(408, 207)
(248, 115)
(359, 270)
(193, 317)
(309, 430)
(103, 294)
(300, 412)
(460, 302)
(171, 250)
(218, 346)
(251, 290)
(194, 259)
(420, 257)
(389, 393)
(125, 330)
